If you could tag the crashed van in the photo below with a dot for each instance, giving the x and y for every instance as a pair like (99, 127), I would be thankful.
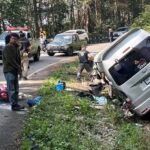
(126, 63)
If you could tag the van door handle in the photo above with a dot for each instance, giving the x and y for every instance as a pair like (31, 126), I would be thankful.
(144, 71)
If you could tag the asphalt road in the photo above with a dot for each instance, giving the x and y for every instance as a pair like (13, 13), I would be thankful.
(45, 60)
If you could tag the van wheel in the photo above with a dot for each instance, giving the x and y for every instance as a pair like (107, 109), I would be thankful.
(50, 54)
(70, 52)
(37, 55)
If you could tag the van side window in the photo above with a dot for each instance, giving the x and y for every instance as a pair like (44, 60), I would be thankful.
(132, 63)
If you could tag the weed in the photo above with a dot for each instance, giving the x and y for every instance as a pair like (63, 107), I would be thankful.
(64, 121)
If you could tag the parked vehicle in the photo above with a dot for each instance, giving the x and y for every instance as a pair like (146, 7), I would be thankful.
(64, 43)
(126, 63)
(81, 33)
(35, 49)
(49, 39)
(119, 32)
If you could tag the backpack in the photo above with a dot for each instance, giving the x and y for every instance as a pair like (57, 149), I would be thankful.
(24, 45)
(83, 56)
(3, 92)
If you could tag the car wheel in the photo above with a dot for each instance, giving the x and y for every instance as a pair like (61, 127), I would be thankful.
(70, 52)
(50, 53)
(36, 57)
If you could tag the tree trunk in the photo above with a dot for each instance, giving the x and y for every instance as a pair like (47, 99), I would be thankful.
(36, 17)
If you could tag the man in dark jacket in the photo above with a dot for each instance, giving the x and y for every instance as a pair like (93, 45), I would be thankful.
(11, 69)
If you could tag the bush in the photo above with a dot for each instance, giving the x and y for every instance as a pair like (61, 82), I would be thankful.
(143, 21)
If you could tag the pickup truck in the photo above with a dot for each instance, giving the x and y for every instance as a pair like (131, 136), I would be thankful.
(35, 45)
(65, 43)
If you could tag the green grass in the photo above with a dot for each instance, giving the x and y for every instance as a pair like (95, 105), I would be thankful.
(64, 121)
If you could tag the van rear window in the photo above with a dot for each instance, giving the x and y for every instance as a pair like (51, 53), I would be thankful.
(132, 63)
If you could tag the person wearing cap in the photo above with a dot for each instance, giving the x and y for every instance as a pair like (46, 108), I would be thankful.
(11, 69)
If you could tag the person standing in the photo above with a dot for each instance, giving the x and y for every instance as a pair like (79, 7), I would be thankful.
(7, 38)
(11, 69)
(24, 51)
(85, 62)
(111, 39)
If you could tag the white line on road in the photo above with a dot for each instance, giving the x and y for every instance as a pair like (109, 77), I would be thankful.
(41, 69)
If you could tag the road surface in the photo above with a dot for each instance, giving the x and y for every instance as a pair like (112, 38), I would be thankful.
(46, 60)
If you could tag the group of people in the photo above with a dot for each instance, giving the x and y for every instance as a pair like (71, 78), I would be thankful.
(15, 64)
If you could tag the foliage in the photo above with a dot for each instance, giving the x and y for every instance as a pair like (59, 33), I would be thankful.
(64, 121)
(11, 10)
(143, 20)
(131, 137)
(60, 15)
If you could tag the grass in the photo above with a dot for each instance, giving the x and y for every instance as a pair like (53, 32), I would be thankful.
(64, 121)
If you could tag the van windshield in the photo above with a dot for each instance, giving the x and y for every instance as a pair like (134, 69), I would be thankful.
(132, 63)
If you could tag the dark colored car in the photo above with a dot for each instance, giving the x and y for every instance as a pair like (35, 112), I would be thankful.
(120, 31)
(65, 43)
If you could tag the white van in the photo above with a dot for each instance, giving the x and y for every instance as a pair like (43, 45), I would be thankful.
(126, 63)
(34, 52)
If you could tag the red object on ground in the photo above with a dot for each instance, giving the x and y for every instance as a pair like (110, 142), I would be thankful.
(3, 92)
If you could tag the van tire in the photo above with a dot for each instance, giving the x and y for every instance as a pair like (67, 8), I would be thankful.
(36, 57)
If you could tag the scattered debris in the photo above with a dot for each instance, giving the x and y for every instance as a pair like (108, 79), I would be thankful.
(139, 125)
(127, 113)
(61, 85)
(35, 101)
(98, 107)
(23, 96)
(3, 93)
(102, 100)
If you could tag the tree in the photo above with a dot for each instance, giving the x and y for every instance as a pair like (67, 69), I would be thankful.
(143, 20)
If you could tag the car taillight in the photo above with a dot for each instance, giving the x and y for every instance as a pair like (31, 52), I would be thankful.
(145, 110)
(126, 50)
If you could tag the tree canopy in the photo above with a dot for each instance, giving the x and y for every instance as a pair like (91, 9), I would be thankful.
(58, 15)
